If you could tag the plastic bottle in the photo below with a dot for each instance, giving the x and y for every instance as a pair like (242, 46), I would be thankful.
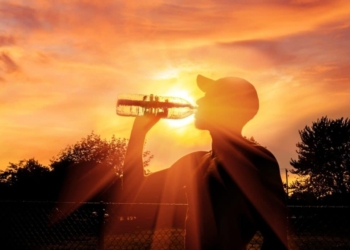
(163, 106)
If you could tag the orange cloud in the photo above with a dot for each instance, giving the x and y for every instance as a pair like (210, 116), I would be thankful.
(62, 64)
(8, 64)
(7, 40)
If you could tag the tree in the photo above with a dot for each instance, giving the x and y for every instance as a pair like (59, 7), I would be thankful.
(94, 149)
(25, 180)
(91, 157)
(82, 166)
(323, 163)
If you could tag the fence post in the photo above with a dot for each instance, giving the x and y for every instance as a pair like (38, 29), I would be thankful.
(101, 222)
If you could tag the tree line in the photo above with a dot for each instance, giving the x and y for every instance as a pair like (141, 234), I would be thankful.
(30, 180)
(322, 167)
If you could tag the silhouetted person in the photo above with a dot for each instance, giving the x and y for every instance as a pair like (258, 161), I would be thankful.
(233, 190)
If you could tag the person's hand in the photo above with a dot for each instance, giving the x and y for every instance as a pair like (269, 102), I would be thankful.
(145, 123)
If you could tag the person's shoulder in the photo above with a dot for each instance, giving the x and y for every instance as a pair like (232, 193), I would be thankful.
(264, 152)
(193, 157)
(180, 171)
(198, 153)
(264, 157)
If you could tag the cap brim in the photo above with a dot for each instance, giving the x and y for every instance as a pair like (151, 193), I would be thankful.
(204, 83)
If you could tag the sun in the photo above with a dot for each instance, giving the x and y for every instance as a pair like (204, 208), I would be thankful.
(176, 91)
(185, 121)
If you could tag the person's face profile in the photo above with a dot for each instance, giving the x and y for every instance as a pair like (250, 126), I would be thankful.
(213, 109)
(228, 104)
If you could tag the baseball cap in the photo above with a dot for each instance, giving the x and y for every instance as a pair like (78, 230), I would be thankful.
(239, 90)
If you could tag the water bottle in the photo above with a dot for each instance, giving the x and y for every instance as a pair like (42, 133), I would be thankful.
(161, 106)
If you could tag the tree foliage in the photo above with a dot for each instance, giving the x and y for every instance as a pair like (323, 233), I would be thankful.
(26, 179)
(323, 163)
(94, 149)
(30, 180)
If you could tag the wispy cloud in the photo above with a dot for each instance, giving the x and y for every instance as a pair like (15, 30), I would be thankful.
(8, 65)
(66, 61)
(19, 15)
(7, 40)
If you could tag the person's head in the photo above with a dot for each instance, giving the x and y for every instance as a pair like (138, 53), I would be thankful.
(228, 103)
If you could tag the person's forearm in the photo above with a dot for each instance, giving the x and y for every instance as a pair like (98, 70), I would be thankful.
(133, 163)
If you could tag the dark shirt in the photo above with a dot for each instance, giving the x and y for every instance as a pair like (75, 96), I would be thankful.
(220, 214)
(231, 195)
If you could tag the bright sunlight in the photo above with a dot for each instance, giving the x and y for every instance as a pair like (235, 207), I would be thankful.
(176, 92)
(185, 121)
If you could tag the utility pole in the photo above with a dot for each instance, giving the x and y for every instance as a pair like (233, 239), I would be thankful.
(287, 183)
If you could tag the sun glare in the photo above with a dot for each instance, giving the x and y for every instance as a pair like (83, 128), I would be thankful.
(166, 74)
(174, 73)
(185, 95)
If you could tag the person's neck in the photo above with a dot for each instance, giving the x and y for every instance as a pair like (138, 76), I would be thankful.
(220, 136)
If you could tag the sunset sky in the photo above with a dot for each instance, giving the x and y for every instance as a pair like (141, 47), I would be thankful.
(63, 64)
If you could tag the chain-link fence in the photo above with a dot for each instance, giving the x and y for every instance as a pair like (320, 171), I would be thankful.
(32, 225)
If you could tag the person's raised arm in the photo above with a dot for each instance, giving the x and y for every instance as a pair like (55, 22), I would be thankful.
(133, 162)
